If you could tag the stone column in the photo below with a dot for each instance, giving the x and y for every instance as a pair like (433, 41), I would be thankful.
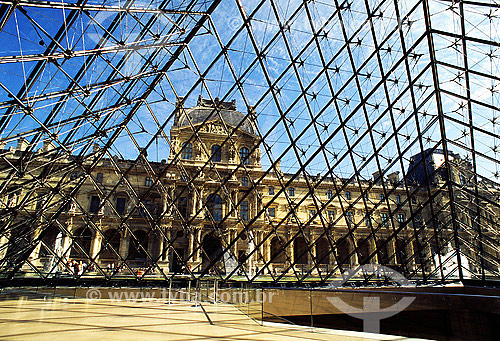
(67, 245)
(4, 244)
(198, 244)
(289, 248)
(191, 238)
(124, 244)
(312, 238)
(391, 251)
(33, 257)
(193, 204)
(354, 256)
(409, 255)
(161, 245)
(163, 261)
(312, 255)
(95, 246)
(235, 200)
(200, 202)
(266, 248)
(254, 206)
(371, 249)
(230, 203)
(260, 254)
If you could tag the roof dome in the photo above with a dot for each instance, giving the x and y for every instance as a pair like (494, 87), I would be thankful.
(205, 108)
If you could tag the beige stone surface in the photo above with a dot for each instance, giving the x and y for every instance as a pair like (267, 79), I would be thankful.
(104, 319)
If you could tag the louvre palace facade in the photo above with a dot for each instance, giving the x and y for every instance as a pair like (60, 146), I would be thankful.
(208, 209)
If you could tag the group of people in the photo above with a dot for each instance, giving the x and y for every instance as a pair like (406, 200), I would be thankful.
(78, 268)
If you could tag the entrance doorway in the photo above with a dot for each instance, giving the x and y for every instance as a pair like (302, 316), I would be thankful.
(177, 261)
(212, 250)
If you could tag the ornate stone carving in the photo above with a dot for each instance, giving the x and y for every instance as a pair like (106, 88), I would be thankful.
(213, 128)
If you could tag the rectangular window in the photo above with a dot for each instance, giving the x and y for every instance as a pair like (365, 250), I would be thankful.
(401, 218)
(312, 213)
(349, 217)
(95, 202)
(381, 196)
(348, 195)
(122, 180)
(182, 207)
(149, 182)
(398, 199)
(120, 205)
(244, 181)
(365, 195)
(244, 210)
(272, 212)
(331, 214)
(413, 200)
(73, 176)
(184, 177)
(146, 209)
(329, 194)
(67, 206)
(291, 191)
(385, 218)
(99, 178)
(368, 220)
(271, 190)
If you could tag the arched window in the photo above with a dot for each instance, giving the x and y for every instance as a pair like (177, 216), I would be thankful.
(277, 254)
(244, 155)
(417, 249)
(383, 254)
(343, 253)
(214, 205)
(187, 151)
(138, 247)
(401, 255)
(110, 244)
(364, 252)
(300, 251)
(322, 251)
(216, 153)
(82, 236)
(49, 240)
(244, 210)
(244, 181)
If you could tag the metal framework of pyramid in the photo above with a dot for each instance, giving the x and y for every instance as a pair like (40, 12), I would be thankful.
(339, 90)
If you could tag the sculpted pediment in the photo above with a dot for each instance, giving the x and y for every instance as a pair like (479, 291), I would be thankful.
(214, 127)
(217, 128)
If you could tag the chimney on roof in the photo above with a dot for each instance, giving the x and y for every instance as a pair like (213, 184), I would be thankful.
(48, 146)
(393, 177)
(277, 166)
(251, 113)
(179, 105)
(22, 144)
(376, 177)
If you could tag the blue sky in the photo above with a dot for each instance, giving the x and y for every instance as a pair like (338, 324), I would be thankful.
(20, 37)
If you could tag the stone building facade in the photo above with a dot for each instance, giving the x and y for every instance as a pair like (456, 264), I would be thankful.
(210, 207)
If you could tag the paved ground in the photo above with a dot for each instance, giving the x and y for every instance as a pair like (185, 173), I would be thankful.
(62, 318)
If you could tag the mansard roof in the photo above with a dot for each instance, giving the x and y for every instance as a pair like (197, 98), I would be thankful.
(205, 108)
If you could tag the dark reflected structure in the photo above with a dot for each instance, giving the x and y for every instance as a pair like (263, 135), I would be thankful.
(277, 141)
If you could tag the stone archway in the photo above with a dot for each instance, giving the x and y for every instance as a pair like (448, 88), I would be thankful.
(137, 248)
(277, 252)
(83, 236)
(343, 253)
(211, 250)
(322, 251)
(300, 253)
(110, 241)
